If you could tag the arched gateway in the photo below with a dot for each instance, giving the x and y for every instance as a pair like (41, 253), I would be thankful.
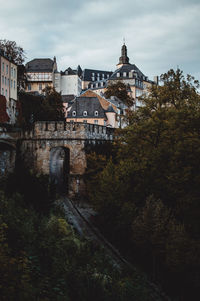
(59, 168)
(53, 148)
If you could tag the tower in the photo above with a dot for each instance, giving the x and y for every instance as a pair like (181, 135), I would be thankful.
(124, 59)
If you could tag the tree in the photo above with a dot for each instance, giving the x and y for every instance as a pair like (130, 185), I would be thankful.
(17, 55)
(40, 107)
(53, 108)
(119, 89)
(159, 155)
(12, 50)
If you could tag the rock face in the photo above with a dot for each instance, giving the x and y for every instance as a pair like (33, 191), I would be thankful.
(57, 149)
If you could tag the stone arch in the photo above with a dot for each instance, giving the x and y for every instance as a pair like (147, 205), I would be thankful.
(60, 168)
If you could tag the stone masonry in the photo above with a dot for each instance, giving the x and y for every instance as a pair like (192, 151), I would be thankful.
(35, 146)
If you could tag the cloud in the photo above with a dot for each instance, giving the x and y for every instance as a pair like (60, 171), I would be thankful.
(159, 34)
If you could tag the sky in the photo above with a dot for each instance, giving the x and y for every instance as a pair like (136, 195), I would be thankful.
(159, 34)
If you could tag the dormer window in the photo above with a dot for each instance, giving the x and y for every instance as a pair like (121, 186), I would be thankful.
(96, 113)
(118, 74)
(124, 74)
(74, 113)
(84, 113)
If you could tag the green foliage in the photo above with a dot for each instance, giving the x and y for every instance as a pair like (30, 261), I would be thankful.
(150, 193)
(40, 107)
(119, 89)
(41, 258)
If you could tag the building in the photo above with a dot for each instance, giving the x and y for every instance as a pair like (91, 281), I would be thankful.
(87, 110)
(8, 85)
(109, 112)
(68, 82)
(40, 74)
(130, 74)
(94, 79)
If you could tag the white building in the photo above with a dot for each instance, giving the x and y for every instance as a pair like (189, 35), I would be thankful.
(68, 82)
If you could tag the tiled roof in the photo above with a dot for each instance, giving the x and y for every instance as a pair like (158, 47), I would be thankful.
(88, 74)
(104, 102)
(69, 71)
(40, 65)
(88, 104)
(127, 68)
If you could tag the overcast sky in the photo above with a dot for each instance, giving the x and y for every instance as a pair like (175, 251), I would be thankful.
(159, 34)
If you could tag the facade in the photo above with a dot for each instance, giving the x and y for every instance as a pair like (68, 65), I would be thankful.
(94, 78)
(68, 82)
(130, 74)
(137, 83)
(40, 74)
(8, 85)
(114, 110)
(87, 110)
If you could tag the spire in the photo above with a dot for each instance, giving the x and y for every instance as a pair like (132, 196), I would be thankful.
(123, 58)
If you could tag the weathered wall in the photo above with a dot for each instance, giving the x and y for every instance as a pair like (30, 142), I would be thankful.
(36, 146)
(34, 149)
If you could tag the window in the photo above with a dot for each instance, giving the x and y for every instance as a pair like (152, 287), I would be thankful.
(2, 79)
(14, 72)
(96, 113)
(84, 113)
(5, 81)
(96, 122)
(2, 91)
(40, 86)
(118, 74)
(29, 87)
(14, 84)
(11, 83)
(11, 71)
(124, 74)
(8, 82)
(74, 113)
(84, 121)
(2, 66)
(7, 69)
(6, 92)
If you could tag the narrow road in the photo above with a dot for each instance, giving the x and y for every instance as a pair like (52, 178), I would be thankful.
(78, 217)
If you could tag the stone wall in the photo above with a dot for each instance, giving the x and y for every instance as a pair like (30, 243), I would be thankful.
(36, 146)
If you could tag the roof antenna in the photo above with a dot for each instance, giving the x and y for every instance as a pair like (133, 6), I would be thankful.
(124, 41)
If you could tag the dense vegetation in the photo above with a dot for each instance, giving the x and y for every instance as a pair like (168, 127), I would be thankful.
(120, 90)
(42, 258)
(147, 192)
(40, 107)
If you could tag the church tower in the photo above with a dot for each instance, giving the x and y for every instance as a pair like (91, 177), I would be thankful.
(124, 59)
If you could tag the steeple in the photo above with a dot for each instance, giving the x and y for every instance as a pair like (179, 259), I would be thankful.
(123, 60)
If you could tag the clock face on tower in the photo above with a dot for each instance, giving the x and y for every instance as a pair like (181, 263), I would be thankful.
(40, 76)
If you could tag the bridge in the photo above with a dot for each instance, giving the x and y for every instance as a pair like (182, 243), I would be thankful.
(54, 148)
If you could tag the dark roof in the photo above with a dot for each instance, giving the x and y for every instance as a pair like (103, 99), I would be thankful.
(68, 98)
(89, 104)
(40, 65)
(127, 69)
(69, 71)
(88, 74)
